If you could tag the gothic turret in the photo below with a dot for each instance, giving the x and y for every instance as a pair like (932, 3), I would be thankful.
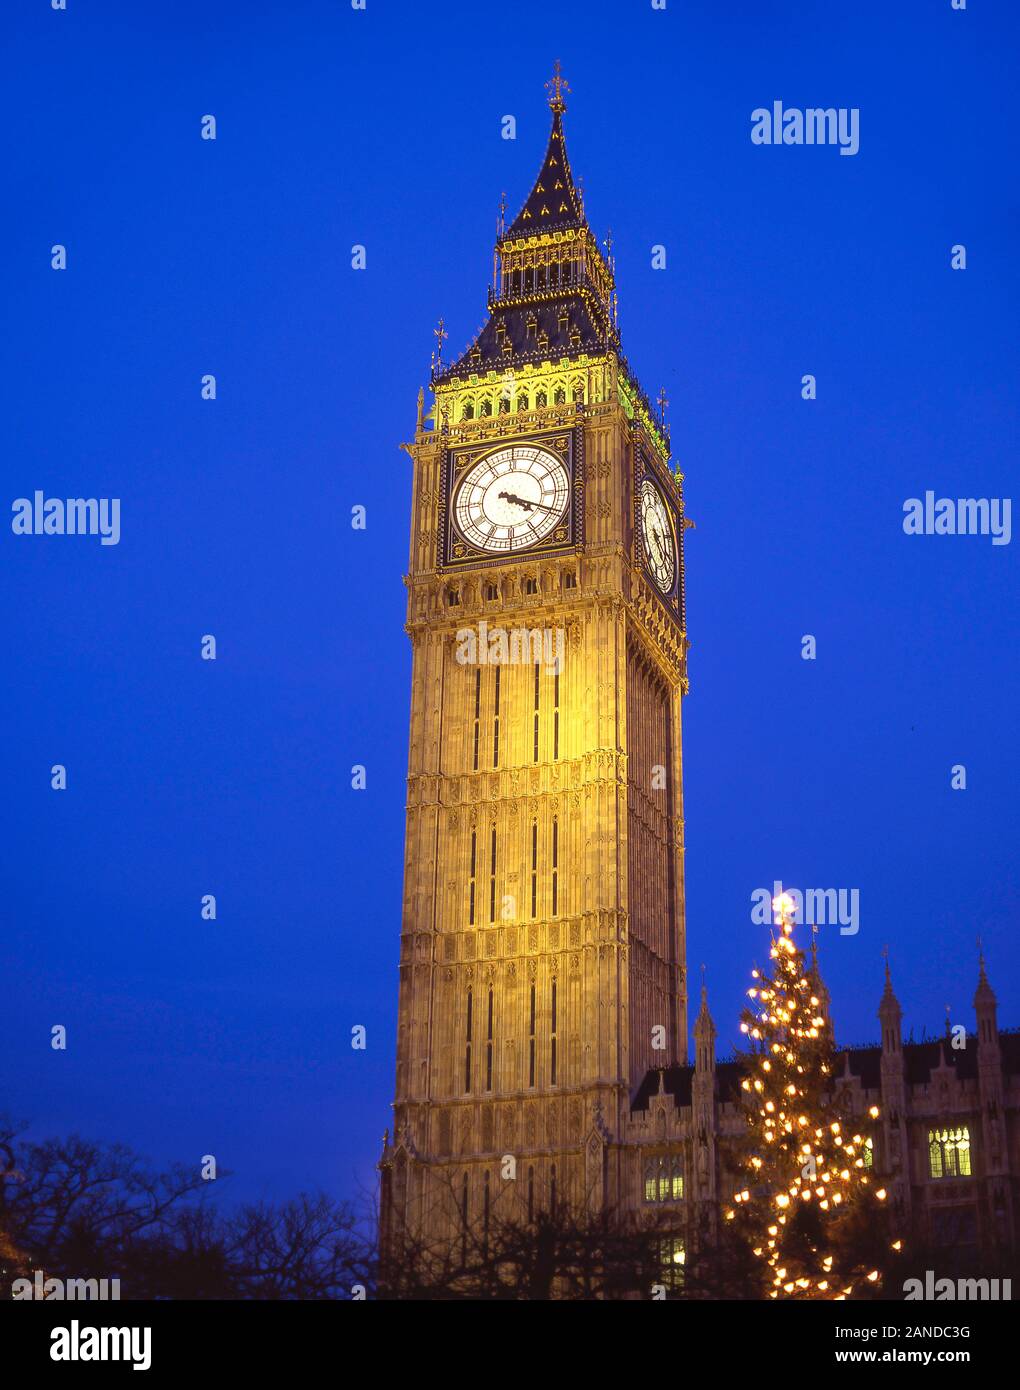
(890, 1015)
(704, 1038)
(818, 985)
(895, 1144)
(985, 1009)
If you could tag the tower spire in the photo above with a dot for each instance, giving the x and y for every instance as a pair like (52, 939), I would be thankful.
(554, 203)
(552, 293)
(556, 86)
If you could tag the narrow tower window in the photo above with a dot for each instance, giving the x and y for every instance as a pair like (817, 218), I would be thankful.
(535, 739)
(495, 722)
(471, 881)
(534, 868)
(464, 1217)
(552, 1039)
(556, 715)
(492, 876)
(467, 1045)
(531, 1040)
(488, 1048)
(478, 710)
(555, 865)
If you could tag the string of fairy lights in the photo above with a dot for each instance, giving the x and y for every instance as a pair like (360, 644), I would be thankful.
(794, 1159)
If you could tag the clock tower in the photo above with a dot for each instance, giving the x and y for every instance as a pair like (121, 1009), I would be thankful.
(542, 957)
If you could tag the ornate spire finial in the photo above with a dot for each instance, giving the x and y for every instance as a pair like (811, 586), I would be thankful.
(556, 86)
(440, 333)
(662, 401)
(502, 213)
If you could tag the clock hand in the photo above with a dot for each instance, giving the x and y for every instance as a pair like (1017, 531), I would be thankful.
(522, 502)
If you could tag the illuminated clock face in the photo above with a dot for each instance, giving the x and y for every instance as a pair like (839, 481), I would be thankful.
(512, 499)
(657, 533)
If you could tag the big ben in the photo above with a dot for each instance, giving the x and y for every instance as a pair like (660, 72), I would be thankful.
(542, 961)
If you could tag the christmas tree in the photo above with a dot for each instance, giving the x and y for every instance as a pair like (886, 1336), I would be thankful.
(812, 1211)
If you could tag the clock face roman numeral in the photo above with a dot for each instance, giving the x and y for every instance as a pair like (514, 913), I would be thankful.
(513, 498)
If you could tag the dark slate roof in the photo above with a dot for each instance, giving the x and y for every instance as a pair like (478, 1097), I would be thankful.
(677, 1082)
(920, 1059)
(580, 331)
(553, 205)
(864, 1064)
(1009, 1045)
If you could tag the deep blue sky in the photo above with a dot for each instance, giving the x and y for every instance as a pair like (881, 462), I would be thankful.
(233, 257)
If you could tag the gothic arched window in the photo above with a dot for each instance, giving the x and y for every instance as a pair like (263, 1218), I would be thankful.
(664, 1179)
(949, 1152)
(467, 411)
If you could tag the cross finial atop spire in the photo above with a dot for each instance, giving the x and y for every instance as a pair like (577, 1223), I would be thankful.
(440, 333)
(662, 402)
(556, 86)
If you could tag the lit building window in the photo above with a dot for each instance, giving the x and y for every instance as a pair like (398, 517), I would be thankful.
(673, 1257)
(664, 1179)
(949, 1152)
